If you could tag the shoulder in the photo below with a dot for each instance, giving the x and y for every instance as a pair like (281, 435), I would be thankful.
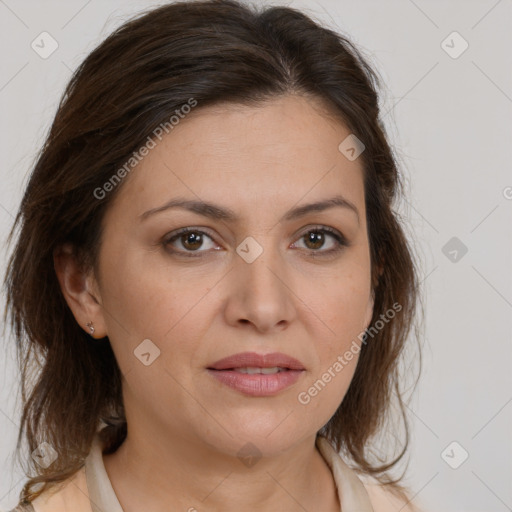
(72, 494)
(388, 499)
(383, 498)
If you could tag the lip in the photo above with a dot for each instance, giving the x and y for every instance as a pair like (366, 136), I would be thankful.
(253, 359)
(257, 384)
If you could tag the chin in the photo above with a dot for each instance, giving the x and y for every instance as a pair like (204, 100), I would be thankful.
(263, 437)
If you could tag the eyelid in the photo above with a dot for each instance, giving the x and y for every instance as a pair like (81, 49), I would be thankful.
(183, 231)
(320, 227)
(188, 229)
(339, 237)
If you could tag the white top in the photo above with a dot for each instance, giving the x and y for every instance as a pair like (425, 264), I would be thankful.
(90, 489)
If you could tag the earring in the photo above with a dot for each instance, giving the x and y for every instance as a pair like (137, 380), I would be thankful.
(91, 328)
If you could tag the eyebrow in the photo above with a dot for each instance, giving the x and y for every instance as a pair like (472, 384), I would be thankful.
(217, 212)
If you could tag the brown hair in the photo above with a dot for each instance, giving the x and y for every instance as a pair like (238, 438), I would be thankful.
(212, 51)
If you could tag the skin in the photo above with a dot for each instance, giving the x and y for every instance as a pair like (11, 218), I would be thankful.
(184, 427)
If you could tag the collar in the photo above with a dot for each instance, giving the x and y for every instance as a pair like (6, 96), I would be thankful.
(351, 490)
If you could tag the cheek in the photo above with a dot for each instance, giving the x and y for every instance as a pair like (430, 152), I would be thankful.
(145, 303)
(147, 293)
(343, 306)
(323, 392)
(165, 318)
(347, 311)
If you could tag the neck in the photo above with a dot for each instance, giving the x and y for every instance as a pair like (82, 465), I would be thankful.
(179, 474)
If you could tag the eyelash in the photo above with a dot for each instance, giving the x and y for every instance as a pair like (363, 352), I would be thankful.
(340, 239)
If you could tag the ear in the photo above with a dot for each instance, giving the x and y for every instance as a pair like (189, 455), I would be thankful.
(80, 290)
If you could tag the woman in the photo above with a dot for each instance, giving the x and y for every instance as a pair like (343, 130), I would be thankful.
(211, 272)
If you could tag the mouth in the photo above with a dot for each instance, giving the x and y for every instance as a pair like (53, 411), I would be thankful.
(255, 374)
(254, 361)
(255, 370)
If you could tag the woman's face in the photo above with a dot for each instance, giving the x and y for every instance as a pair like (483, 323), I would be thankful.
(269, 280)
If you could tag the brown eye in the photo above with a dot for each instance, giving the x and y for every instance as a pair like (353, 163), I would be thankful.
(191, 241)
(314, 240)
(323, 241)
(188, 241)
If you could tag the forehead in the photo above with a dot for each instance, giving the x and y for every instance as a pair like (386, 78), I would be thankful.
(278, 152)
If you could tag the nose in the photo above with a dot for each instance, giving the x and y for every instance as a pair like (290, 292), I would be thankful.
(261, 293)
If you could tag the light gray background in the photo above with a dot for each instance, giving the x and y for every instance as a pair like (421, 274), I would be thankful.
(450, 119)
